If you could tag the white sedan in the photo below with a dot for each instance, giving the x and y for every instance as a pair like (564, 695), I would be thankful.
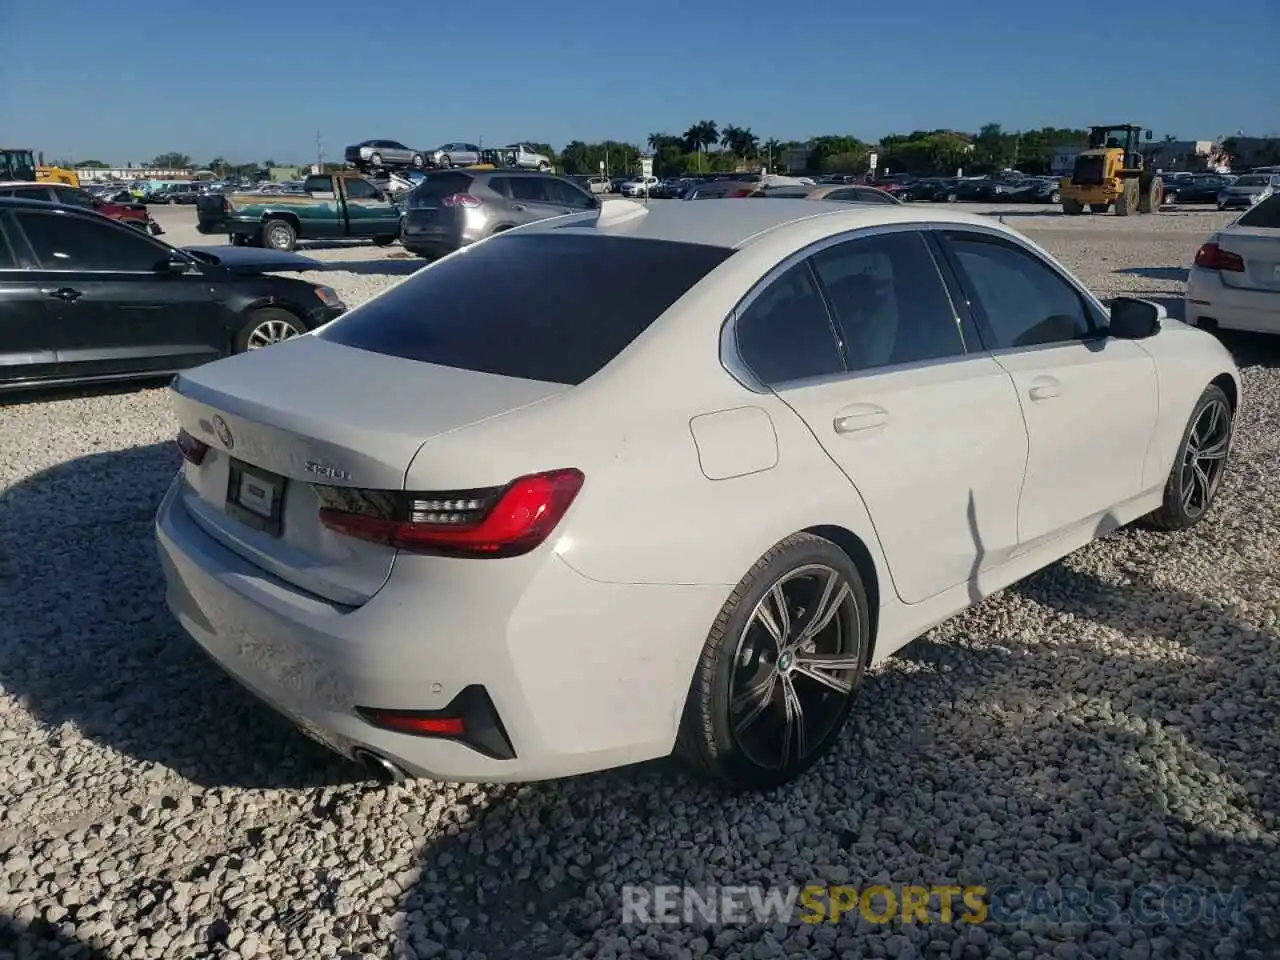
(638, 481)
(1234, 283)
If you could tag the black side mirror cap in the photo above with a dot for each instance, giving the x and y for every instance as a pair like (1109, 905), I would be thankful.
(1135, 319)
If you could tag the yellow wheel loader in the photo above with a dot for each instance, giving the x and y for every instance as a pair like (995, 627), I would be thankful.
(1111, 174)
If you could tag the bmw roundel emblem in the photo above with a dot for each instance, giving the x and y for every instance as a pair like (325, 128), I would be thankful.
(224, 432)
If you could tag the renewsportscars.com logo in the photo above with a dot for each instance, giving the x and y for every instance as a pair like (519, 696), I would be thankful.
(1100, 905)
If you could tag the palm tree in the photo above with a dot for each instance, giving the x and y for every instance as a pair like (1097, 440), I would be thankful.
(701, 135)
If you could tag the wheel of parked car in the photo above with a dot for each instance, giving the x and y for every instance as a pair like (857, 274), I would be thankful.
(781, 666)
(952, 198)
(375, 159)
(418, 161)
(544, 168)
(279, 235)
(267, 326)
(1055, 197)
(385, 241)
(1202, 460)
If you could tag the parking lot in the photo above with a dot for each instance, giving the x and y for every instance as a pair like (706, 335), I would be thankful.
(1114, 719)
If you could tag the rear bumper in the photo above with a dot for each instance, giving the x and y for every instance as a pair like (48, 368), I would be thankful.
(1209, 299)
(582, 675)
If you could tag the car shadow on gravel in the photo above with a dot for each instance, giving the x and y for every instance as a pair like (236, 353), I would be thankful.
(86, 638)
(389, 267)
(41, 939)
(1156, 273)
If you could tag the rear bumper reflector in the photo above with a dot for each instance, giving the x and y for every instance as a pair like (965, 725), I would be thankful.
(470, 719)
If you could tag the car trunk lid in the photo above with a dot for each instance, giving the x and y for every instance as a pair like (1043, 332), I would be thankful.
(1259, 248)
(308, 411)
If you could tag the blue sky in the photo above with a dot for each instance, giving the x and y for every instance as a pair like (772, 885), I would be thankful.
(252, 81)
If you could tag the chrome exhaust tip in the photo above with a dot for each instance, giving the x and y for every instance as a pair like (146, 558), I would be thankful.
(382, 768)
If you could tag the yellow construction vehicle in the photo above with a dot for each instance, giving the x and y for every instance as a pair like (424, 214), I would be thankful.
(20, 164)
(17, 164)
(1111, 173)
(57, 175)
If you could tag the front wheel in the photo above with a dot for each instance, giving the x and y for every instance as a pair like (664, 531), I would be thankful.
(544, 168)
(375, 159)
(1201, 462)
(418, 161)
(268, 326)
(780, 667)
(1055, 197)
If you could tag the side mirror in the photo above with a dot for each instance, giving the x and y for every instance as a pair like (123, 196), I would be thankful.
(174, 265)
(1134, 319)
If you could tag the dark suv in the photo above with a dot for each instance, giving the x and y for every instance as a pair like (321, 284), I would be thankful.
(452, 208)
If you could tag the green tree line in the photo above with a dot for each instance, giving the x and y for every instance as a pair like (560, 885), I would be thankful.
(710, 147)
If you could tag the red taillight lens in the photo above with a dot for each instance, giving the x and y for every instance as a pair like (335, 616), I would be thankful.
(494, 522)
(193, 450)
(409, 723)
(461, 200)
(1213, 257)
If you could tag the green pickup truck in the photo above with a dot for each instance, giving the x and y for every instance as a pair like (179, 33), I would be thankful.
(340, 207)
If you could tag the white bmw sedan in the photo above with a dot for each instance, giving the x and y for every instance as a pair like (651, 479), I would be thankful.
(637, 481)
(1234, 283)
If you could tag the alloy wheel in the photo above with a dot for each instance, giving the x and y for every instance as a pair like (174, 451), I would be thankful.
(795, 666)
(271, 331)
(1204, 459)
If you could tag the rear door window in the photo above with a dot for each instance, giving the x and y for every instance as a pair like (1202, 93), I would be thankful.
(532, 189)
(1266, 214)
(553, 307)
(437, 185)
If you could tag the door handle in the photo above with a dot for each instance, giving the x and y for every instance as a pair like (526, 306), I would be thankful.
(862, 416)
(517, 206)
(1044, 388)
(63, 293)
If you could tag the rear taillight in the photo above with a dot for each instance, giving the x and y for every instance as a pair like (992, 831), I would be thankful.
(461, 200)
(491, 522)
(193, 450)
(739, 193)
(1213, 257)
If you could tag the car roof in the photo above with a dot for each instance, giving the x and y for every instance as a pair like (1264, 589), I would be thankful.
(44, 206)
(737, 222)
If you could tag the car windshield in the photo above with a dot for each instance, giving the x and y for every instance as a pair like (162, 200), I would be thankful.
(1252, 181)
(1265, 215)
(552, 307)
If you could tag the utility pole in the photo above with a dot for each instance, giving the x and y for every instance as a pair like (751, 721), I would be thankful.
(319, 153)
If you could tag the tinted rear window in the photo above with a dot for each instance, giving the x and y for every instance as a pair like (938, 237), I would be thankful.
(1266, 214)
(547, 306)
(441, 185)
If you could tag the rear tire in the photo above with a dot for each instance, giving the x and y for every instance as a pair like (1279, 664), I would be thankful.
(375, 159)
(1196, 476)
(268, 326)
(770, 694)
(384, 241)
(1128, 202)
(279, 235)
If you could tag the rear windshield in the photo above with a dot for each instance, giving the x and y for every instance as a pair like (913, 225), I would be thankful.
(554, 307)
(441, 185)
(1266, 214)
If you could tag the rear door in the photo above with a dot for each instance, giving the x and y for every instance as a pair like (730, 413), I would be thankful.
(863, 343)
(28, 321)
(1255, 238)
(117, 312)
(531, 199)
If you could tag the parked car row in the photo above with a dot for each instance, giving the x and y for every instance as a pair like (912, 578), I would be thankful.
(125, 210)
(372, 155)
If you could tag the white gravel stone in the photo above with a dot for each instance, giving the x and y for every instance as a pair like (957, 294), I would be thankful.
(1115, 719)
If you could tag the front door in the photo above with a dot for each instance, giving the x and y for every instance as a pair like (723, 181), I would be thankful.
(930, 435)
(1089, 401)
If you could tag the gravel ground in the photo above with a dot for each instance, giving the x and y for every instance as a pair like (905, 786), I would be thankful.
(1112, 720)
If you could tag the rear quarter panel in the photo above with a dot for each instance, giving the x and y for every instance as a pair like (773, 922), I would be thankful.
(1187, 361)
(316, 215)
